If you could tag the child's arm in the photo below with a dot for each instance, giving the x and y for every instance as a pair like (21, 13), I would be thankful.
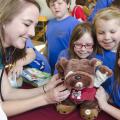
(102, 98)
(18, 66)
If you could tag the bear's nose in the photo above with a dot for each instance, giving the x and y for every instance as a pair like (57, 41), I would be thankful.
(79, 84)
(77, 77)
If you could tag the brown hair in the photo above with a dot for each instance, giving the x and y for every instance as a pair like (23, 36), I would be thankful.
(77, 33)
(117, 68)
(48, 2)
(116, 83)
(116, 3)
(8, 10)
(80, 2)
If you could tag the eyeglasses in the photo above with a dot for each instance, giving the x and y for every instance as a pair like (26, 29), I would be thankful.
(87, 46)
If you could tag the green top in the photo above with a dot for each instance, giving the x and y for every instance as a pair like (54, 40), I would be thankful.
(1, 65)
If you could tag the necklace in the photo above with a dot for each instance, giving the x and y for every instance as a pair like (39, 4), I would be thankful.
(9, 59)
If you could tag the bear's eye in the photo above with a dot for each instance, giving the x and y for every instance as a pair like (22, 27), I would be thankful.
(77, 77)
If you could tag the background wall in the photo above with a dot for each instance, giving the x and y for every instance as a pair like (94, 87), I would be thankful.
(45, 9)
(72, 4)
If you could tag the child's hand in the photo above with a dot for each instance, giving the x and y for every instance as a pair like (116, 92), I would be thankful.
(14, 73)
(16, 69)
(102, 97)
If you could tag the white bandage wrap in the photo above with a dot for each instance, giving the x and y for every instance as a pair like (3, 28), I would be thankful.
(100, 78)
(69, 73)
(13, 81)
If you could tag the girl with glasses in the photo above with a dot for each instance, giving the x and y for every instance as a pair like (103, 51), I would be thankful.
(82, 43)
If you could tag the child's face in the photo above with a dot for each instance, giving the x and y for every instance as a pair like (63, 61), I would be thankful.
(59, 9)
(108, 33)
(83, 47)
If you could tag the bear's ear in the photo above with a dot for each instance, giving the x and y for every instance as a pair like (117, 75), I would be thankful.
(60, 66)
(95, 62)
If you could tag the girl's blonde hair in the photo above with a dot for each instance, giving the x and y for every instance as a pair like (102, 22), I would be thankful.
(105, 14)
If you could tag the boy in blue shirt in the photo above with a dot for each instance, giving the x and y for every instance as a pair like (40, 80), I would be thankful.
(59, 29)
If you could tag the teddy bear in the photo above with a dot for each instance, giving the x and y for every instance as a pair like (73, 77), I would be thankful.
(82, 77)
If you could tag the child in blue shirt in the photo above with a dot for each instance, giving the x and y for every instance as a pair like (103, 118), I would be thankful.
(112, 91)
(59, 29)
(81, 43)
(107, 28)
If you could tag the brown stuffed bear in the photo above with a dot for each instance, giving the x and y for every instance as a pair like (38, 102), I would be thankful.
(82, 77)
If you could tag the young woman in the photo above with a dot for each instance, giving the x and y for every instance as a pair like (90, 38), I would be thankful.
(17, 21)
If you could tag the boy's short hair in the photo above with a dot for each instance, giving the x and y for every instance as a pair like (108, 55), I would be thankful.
(107, 14)
(48, 2)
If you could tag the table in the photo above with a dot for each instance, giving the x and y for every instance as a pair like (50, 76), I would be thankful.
(49, 113)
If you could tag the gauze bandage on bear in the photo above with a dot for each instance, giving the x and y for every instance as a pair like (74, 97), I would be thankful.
(100, 78)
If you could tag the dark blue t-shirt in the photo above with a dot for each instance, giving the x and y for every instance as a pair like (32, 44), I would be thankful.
(40, 61)
(114, 94)
(108, 58)
(100, 4)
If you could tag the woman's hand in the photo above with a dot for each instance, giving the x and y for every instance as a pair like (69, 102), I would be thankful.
(57, 94)
(102, 97)
(52, 83)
